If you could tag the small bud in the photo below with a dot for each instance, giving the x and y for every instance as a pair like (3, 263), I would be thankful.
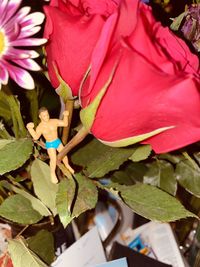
(191, 25)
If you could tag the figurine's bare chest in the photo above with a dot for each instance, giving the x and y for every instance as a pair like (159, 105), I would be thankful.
(49, 128)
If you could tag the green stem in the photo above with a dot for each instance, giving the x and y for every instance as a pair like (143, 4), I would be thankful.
(81, 134)
(12, 180)
(4, 133)
(69, 105)
(18, 124)
(33, 101)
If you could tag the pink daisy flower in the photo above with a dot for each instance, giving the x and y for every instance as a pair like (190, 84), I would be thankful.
(16, 29)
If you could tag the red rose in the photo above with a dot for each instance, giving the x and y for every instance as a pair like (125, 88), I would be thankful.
(144, 85)
(72, 28)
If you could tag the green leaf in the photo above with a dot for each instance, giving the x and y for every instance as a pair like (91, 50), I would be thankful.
(171, 157)
(36, 203)
(42, 244)
(100, 158)
(19, 209)
(21, 256)
(131, 173)
(177, 21)
(64, 199)
(86, 196)
(4, 142)
(44, 189)
(188, 175)
(15, 154)
(197, 157)
(141, 153)
(121, 177)
(152, 203)
(161, 174)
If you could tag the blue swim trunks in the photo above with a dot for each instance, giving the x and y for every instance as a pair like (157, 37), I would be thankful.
(53, 144)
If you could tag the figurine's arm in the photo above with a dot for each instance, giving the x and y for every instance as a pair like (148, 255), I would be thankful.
(34, 133)
(64, 121)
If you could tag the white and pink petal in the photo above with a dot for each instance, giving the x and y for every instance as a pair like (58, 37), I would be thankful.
(3, 5)
(27, 64)
(32, 20)
(20, 76)
(29, 42)
(14, 53)
(29, 32)
(3, 74)
(10, 10)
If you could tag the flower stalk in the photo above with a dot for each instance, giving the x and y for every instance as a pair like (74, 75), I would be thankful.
(79, 137)
(69, 105)
(18, 124)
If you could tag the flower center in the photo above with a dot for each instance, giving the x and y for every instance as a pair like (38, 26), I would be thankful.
(2, 42)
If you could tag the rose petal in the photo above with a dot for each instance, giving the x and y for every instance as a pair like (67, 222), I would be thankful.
(103, 7)
(157, 44)
(71, 41)
(101, 48)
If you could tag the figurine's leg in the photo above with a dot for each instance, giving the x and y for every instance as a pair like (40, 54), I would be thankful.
(52, 163)
(65, 159)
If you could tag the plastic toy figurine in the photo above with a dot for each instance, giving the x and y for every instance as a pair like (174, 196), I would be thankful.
(48, 128)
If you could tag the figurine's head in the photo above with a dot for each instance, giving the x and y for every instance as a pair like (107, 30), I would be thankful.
(43, 114)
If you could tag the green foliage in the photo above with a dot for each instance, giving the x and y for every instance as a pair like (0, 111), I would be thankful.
(64, 198)
(42, 244)
(35, 202)
(4, 142)
(18, 209)
(22, 256)
(131, 173)
(84, 194)
(14, 154)
(99, 159)
(161, 173)
(44, 189)
(174, 159)
(152, 203)
(188, 175)
(141, 153)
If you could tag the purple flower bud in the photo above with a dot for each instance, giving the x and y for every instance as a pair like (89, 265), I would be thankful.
(191, 26)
